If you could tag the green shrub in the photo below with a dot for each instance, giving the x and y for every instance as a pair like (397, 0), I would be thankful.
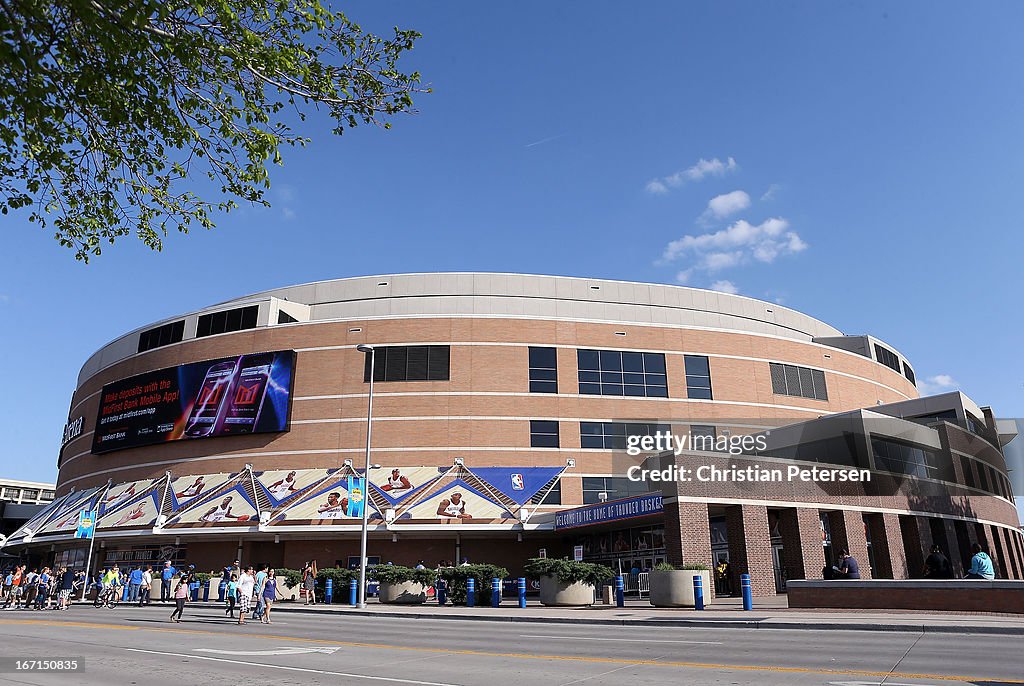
(397, 574)
(339, 575)
(569, 571)
(203, 577)
(695, 566)
(689, 566)
(455, 579)
(665, 567)
(292, 578)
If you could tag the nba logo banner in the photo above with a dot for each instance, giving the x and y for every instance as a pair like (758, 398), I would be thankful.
(356, 491)
(517, 482)
(86, 524)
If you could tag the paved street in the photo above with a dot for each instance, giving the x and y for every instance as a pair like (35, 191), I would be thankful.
(139, 645)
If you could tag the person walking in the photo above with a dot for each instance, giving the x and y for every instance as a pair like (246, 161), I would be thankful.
(269, 595)
(134, 584)
(180, 596)
(309, 582)
(166, 576)
(246, 585)
(230, 595)
(43, 589)
(261, 580)
(147, 586)
(67, 585)
(30, 588)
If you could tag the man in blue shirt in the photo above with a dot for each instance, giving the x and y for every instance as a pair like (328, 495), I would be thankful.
(134, 584)
(166, 575)
(847, 568)
(981, 565)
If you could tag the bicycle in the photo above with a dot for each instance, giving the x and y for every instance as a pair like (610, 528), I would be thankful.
(109, 597)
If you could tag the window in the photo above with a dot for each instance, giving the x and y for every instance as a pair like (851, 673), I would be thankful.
(615, 487)
(543, 370)
(615, 372)
(802, 382)
(965, 465)
(703, 437)
(227, 321)
(909, 373)
(29, 494)
(887, 357)
(553, 497)
(162, 335)
(698, 377)
(543, 433)
(285, 318)
(613, 435)
(408, 363)
(904, 458)
(983, 477)
(49, 495)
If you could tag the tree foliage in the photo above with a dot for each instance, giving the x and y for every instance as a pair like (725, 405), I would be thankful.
(568, 571)
(113, 113)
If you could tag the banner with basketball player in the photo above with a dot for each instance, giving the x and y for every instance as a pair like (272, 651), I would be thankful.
(337, 500)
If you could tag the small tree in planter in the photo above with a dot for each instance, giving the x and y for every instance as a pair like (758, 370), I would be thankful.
(567, 582)
(455, 579)
(404, 585)
(672, 586)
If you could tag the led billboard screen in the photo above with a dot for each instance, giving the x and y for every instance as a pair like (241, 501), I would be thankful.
(230, 396)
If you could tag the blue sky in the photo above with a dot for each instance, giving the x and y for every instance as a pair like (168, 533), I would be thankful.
(860, 162)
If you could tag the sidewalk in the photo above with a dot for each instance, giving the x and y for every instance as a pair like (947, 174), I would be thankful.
(768, 613)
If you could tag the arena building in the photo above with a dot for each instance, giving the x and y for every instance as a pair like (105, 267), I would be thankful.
(502, 407)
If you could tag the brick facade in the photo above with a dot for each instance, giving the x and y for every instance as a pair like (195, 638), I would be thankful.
(750, 547)
(802, 550)
(848, 533)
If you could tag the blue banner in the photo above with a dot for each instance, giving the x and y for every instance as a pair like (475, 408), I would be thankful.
(518, 483)
(356, 491)
(613, 511)
(86, 524)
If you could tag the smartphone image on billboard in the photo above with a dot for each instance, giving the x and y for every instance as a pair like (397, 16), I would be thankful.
(210, 402)
(247, 394)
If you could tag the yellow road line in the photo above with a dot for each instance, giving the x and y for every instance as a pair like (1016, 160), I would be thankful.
(528, 656)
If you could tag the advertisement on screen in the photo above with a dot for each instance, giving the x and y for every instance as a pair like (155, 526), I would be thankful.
(231, 396)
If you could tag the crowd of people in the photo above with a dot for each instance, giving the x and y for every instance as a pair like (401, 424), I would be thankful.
(40, 589)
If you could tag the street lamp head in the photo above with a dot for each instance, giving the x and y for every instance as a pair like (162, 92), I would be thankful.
(363, 348)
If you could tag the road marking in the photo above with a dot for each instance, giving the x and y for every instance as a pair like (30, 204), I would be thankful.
(619, 640)
(530, 656)
(293, 669)
(283, 650)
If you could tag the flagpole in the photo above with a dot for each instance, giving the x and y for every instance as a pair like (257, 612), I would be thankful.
(88, 561)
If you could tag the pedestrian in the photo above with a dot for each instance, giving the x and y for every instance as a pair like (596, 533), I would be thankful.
(269, 595)
(147, 586)
(229, 599)
(67, 585)
(261, 604)
(847, 568)
(937, 565)
(309, 573)
(134, 584)
(43, 589)
(30, 588)
(180, 596)
(166, 576)
(246, 584)
(981, 565)
(420, 565)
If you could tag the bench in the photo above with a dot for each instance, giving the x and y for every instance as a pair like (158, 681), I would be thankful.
(957, 595)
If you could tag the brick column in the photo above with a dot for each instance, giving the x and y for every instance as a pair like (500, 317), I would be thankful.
(996, 552)
(952, 548)
(802, 554)
(688, 533)
(847, 528)
(1012, 568)
(887, 545)
(750, 547)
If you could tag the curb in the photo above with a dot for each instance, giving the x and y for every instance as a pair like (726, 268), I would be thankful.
(770, 624)
(685, 623)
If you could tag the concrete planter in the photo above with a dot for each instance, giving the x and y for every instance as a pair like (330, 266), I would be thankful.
(556, 594)
(403, 593)
(675, 588)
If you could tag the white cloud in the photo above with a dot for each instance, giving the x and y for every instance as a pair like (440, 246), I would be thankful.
(764, 242)
(4, 298)
(940, 383)
(721, 260)
(722, 206)
(724, 286)
(684, 276)
(288, 213)
(770, 193)
(703, 168)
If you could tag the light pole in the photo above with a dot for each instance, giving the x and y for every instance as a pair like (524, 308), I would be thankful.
(368, 350)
